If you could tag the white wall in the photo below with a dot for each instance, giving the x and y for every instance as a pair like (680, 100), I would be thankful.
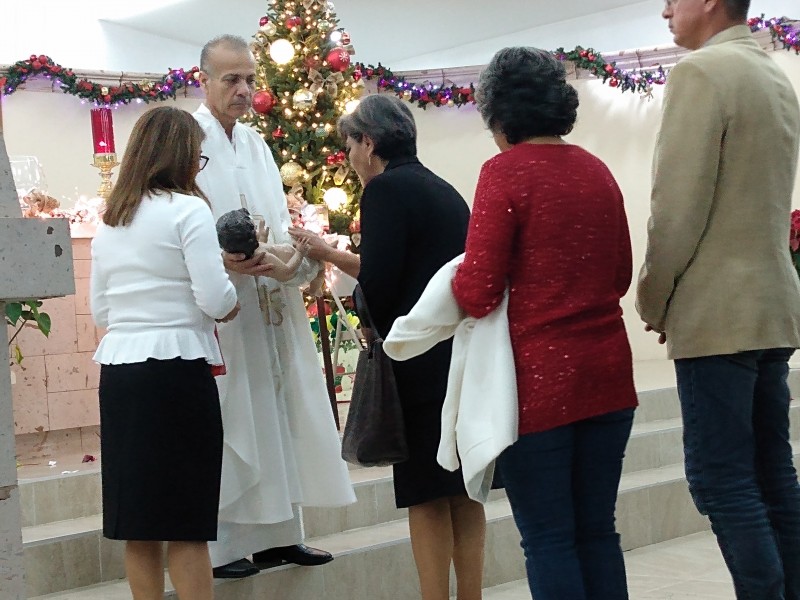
(55, 128)
(634, 26)
(73, 36)
(619, 128)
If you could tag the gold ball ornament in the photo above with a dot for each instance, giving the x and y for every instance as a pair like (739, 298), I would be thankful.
(303, 99)
(291, 173)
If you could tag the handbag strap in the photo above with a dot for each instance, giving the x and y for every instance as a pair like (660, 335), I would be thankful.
(367, 326)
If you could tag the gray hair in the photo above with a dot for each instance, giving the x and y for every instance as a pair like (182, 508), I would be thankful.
(387, 121)
(234, 42)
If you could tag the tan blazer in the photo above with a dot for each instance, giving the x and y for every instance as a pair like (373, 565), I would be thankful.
(718, 277)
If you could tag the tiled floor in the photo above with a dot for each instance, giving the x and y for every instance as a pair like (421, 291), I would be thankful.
(689, 568)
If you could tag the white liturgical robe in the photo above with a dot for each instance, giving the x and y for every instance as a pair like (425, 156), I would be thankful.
(281, 447)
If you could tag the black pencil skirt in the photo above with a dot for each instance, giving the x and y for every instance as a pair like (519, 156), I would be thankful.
(161, 450)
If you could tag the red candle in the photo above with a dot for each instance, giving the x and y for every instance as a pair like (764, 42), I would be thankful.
(102, 131)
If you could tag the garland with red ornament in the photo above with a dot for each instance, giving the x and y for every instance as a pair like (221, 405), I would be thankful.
(167, 87)
(588, 59)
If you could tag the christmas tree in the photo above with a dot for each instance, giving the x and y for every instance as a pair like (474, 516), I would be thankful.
(306, 82)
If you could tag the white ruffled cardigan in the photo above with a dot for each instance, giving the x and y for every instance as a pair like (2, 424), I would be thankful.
(479, 416)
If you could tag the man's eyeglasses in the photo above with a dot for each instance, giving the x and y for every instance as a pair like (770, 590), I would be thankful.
(203, 161)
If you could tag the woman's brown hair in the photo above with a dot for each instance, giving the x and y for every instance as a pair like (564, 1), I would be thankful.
(163, 154)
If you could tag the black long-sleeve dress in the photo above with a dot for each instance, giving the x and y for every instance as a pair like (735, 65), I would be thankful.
(412, 223)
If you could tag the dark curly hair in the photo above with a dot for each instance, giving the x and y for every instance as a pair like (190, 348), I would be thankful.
(524, 93)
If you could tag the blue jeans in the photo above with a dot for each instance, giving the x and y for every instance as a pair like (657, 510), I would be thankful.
(739, 466)
(562, 485)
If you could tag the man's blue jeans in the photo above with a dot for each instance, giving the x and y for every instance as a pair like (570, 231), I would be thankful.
(562, 485)
(739, 466)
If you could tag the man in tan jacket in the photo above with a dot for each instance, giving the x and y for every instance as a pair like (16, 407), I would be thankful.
(719, 287)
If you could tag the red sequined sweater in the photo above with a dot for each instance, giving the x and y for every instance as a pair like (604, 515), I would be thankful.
(549, 220)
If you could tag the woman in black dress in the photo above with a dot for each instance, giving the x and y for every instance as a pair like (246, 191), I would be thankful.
(412, 223)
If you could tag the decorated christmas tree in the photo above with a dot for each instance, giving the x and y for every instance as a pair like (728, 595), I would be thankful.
(305, 83)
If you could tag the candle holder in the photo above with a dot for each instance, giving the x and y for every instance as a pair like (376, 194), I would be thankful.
(106, 162)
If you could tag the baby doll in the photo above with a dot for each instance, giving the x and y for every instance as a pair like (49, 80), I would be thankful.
(237, 234)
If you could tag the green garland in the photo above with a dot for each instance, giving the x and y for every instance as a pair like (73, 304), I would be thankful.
(167, 87)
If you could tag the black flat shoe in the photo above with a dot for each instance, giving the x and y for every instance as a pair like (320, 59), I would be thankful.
(299, 554)
(235, 570)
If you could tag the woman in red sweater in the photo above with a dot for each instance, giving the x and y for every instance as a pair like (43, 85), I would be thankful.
(548, 222)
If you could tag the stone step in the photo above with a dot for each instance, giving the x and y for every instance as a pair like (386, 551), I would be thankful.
(371, 562)
(689, 567)
(76, 493)
(654, 505)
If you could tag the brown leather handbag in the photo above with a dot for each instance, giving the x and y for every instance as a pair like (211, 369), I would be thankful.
(375, 434)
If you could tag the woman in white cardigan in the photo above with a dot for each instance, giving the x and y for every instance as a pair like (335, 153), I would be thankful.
(158, 285)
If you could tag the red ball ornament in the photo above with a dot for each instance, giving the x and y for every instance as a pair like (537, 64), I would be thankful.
(583, 53)
(278, 133)
(263, 21)
(43, 59)
(330, 159)
(338, 59)
(263, 101)
(32, 57)
(613, 83)
(293, 22)
(357, 75)
(341, 156)
(36, 65)
(591, 57)
(609, 69)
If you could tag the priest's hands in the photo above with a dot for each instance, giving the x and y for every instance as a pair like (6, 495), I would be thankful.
(247, 266)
